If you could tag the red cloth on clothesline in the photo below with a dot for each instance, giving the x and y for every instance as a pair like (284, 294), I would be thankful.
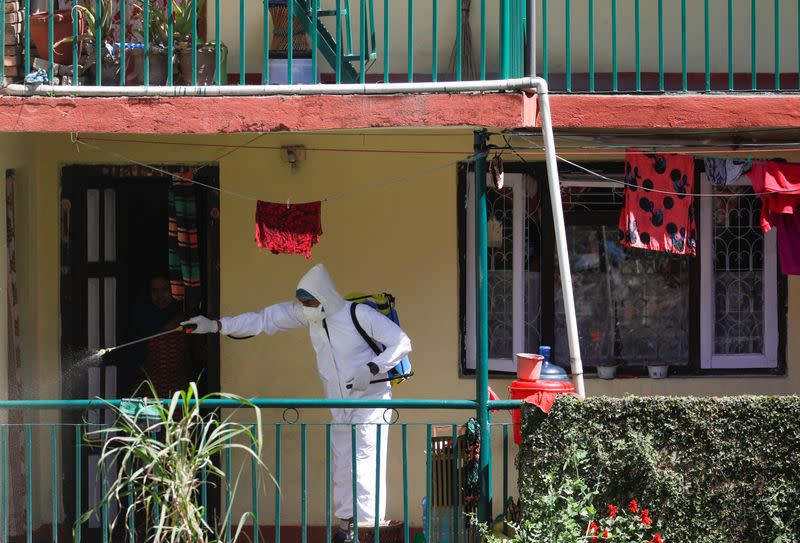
(659, 204)
(292, 228)
(782, 181)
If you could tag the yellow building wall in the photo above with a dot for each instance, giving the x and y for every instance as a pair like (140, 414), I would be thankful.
(400, 237)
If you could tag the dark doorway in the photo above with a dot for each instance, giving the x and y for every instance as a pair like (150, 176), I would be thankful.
(115, 273)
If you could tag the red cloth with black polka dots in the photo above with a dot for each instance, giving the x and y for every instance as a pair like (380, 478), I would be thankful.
(659, 210)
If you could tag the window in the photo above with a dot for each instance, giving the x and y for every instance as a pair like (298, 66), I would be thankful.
(716, 311)
(513, 219)
(739, 312)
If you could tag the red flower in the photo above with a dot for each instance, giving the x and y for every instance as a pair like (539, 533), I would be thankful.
(645, 513)
(657, 539)
(605, 533)
(644, 516)
(593, 527)
(633, 506)
(647, 521)
(612, 511)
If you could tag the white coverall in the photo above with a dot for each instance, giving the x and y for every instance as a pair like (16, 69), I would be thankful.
(339, 351)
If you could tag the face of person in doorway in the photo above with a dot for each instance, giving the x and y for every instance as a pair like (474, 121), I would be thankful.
(160, 294)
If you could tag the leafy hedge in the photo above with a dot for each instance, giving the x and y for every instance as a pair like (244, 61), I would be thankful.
(711, 470)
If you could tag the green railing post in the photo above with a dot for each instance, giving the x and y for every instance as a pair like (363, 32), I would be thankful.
(217, 46)
(54, 478)
(707, 43)
(410, 41)
(568, 43)
(338, 67)
(730, 45)
(243, 43)
(3, 39)
(29, 477)
(684, 74)
(290, 39)
(614, 66)
(777, 32)
(428, 481)
(377, 536)
(171, 45)
(435, 40)
(228, 493)
(50, 10)
(637, 43)
(254, 484)
(753, 45)
(277, 483)
(78, 480)
(482, 326)
(27, 38)
(459, 45)
(406, 527)
(194, 41)
(354, 466)
(303, 486)
(4, 475)
(661, 45)
(505, 38)
(265, 44)
(385, 41)
(591, 45)
(328, 530)
(362, 40)
(314, 39)
(122, 49)
(483, 39)
(146, 40)
(454, 482)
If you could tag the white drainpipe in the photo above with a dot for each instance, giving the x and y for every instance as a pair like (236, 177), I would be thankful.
(271, 90)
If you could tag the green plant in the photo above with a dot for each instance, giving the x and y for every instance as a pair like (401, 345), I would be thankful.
(181, 22)
(624, 525)
(162, 453)
(715, 469)
(89, 12)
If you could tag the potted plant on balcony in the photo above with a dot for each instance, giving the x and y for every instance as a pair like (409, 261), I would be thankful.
(62, 29)
(162, 454)
(88, 43)
(156, 26)
(206, 51)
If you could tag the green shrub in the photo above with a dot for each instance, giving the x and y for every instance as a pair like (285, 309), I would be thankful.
(715, 470)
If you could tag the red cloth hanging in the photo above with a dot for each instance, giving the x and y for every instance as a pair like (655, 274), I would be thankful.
(659, 204)
(292, 228)
(782, 181)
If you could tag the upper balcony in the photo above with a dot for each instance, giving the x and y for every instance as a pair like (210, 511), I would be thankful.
(581, 46)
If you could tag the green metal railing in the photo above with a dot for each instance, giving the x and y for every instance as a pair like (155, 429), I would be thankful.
(669, 45)
(332, 56)
(54, 437)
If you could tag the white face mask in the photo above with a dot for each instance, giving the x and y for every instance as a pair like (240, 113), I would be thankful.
(314, 314)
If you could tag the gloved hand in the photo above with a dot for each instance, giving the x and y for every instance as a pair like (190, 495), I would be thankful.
(203, 325)
(361, 378)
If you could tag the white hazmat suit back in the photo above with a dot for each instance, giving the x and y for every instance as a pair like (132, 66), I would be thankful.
(340, 350)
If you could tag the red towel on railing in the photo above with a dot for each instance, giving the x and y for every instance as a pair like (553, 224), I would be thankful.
(543, 400)
(288, 228)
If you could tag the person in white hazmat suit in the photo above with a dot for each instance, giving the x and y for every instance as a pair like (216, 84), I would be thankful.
(344, 360)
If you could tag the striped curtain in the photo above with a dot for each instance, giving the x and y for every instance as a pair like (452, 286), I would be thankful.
(184, 254)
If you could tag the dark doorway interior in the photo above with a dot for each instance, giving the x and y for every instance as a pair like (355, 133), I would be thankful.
(114, 251)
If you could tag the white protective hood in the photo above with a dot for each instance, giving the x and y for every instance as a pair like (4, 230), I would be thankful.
(319, 284)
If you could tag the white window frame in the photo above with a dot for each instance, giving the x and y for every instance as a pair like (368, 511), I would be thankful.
(708, 359)
(519, 183)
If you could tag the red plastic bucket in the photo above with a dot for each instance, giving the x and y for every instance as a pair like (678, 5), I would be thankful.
(521, 390)
(529, 366)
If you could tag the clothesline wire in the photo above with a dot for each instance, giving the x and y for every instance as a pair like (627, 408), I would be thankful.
(252, 198)
(766, 129)
(276, 147)
(782, 145)
(666, 192)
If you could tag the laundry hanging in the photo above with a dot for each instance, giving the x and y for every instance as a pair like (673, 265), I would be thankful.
(778, 184)
(724, 171)
(659, 204)
(288, 228)
(184, 253)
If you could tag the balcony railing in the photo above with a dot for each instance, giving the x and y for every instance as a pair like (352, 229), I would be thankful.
(199, 42)
(580, 45)
(63, 477)
(669, 45)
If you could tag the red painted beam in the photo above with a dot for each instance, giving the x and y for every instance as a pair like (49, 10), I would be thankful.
(674, 111)
(212, 115)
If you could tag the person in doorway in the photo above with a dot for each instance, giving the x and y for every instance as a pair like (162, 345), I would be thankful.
(348, 368)
(162, 360)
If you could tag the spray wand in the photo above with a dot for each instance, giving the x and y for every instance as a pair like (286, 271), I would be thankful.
(189, 328)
